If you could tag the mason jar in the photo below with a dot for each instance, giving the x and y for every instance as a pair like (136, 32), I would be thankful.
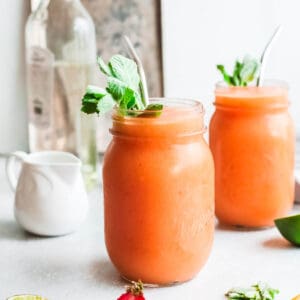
(158, 181)
(252, 140)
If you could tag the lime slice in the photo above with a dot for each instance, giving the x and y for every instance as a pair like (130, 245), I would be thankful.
(289, 227)
(26, 297)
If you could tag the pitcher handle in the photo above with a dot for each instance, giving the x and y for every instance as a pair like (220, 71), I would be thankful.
(10, 168)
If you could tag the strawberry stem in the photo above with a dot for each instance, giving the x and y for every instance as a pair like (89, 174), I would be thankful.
(136, 288)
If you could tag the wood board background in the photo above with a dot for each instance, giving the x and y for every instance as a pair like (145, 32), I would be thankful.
(140, 20)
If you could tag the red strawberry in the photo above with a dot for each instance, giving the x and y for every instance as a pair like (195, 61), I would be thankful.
(133, 292)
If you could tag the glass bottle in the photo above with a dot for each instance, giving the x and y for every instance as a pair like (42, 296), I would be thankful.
(60, 57)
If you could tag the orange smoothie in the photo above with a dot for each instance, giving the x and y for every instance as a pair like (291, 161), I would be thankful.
(158, 186)
(252, 140)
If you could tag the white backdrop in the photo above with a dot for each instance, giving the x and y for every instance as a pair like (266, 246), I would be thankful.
(198, 34)
(13, 116)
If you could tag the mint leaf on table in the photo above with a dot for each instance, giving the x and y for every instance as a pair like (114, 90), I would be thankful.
(123, 89)
(244, 72)
(259, 291)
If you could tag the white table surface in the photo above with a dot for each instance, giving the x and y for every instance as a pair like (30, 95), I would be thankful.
(77, 267)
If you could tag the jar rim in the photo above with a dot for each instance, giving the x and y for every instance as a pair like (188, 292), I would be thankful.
(180, 117)
(266, 83)
(272, 95)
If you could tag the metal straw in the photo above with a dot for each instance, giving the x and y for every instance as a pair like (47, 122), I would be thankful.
(265, 55)
(141, 71)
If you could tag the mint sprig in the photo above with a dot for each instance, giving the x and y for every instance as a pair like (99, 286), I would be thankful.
(244, 72)
(259, 291)
(123, 90)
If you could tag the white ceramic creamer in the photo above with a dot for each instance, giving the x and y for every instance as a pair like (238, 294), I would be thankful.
(50, 197)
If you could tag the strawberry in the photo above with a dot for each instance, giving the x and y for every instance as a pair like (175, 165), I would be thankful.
(133, 292)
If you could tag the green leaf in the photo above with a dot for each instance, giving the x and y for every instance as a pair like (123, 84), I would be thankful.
(123, 89)
(103, 66)
(236, 73)
(105, 104)
(128, 99)
(154, 107)
(258, 291)
(250, 69)
(95, 92)
(91, 99)
(227, 78)
(124, 94)
(152, 110)
(116, 88)
(244, 72)
(89, 108)
(125, 70)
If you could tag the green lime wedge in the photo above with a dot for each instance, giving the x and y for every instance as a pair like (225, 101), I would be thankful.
(26, 297)
(289, 227)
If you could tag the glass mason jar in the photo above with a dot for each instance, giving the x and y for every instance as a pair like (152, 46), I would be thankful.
(252, 141)
(61, 60)
(158, 181)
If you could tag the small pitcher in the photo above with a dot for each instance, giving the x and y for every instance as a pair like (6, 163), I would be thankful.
(50, 197)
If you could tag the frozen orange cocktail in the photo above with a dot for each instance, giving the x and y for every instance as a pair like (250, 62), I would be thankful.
(252, 141)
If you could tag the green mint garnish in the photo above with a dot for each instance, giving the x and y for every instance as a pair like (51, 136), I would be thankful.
(244, 72)
(152, 110)
(259, 291)
(123, 90)
(96, 100)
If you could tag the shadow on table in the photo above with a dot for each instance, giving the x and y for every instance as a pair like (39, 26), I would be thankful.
(103, 271)
(225, 227)
(10, 230)
(277, 243)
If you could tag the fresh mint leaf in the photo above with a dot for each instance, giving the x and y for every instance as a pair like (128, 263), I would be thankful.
(154, 107)
(123, 93)
(89, 108)
(152, 110)
(236, 73)
(127, 102)
(105, 104)
(129, 98)
(123, 90)
(91, 98)
(125, 70)
(95, 91)
(103, 66)
(266, 293)
(258, 291)
(97, 103)
(116, 88)
(250, 69)
(227, 78)
(244, 72)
